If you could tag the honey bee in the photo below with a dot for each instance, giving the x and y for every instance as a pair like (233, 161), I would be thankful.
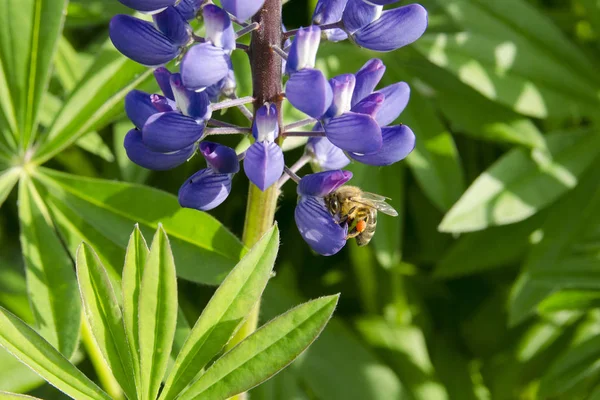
(359, 210)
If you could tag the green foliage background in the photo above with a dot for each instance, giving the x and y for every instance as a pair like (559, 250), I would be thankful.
(486, 287)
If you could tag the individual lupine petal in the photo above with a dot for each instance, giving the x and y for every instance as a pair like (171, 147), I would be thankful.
(173, 26)
(325, 154)
(398, 142)
(171, 131)
(191, 103)
(204, 65)
(147, 5)
(322, 183)
(140, 154)
(318, 227)
(140, 41)
(342, 87)
(162, 104)
(358, 133)
(263, 164)
(266, 125)
(367, 79)
(189, 8)
(370, 105)
(395, 28)
(163, 78)
(381, 2)
(396, 99)
(242, 9)
(205, 190)
(225, 86)
(139, 107)
(220, 158)
(329, 12)
(309, 91)
(358, 14)
(218, 27)
(303, 51)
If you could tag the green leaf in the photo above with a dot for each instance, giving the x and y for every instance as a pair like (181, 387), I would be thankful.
(264, 353)
(571, 368)
(36, 26)
(478, 252)
(523, 182)
(16, 376)
(96, 101)
(8, 180)
(574, 300)
(104, 316)
(67, 65)
(567, 255)
(15, 396)
(93, 143)
(130, 171)
(133, 271)
(29, 347)
(51, 281)
(110, 209)
(224, 314)
(435, 161)
(157, 314)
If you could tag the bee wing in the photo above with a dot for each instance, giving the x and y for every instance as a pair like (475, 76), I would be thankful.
(373, 197)
(379, 204)
(385, 208)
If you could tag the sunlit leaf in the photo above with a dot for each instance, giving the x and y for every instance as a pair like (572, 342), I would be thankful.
(8, 179)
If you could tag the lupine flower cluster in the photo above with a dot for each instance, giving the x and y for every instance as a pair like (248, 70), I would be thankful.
(351, 118)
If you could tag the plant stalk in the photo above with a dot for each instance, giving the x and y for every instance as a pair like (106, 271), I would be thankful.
(266, 82)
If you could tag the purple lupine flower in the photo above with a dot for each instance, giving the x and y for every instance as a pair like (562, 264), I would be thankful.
(242, 9)
(324, 155)
(329, 12)
(264, 158)
(140, 40)
(148, 5)
(367, 79)
(171, 24)
(143, 156)
(189, 8)
(307, 89)
(321, 230)
(358, 14)
(218, 28)
(209, 187)
(395, 28)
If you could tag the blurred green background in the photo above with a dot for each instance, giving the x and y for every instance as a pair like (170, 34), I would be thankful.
(486, 286)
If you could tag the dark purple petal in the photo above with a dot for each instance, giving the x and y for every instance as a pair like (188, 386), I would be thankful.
(242, 9)
(139, 107)
(309, 91)
(189, 8)
(303, 51)
(342, 87)
(395, 28)
(396, 99)
(171, 131)
(398, 142)
(318, 227)
(191, 103)
(140, 154)
(162, 104)
(147, 5)
(163, 78)
(265, 127)
(204, 65)
(370, 105)
(325, 154)
(358, 14)
(367, 79)
(140, 41)
(218, 27)
(205, 190)
(173, 26)
(263, 164)
(358, 133)
(322, 183)
(220, 158)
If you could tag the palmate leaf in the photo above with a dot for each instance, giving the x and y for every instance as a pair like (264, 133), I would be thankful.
(157, 314)
(15, 396)
(224, 314)
(34, 351)
(8, 180)
(523, 182)
(36, 26)
(264, 353)
(105, 318)
(103, 212)
(51, 283)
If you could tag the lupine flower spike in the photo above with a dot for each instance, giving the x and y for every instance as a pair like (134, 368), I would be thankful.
(352, 119)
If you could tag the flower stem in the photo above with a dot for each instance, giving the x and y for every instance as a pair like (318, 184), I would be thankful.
(266, 82)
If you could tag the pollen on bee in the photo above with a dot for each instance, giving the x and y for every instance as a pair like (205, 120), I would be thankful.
(361, 226)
